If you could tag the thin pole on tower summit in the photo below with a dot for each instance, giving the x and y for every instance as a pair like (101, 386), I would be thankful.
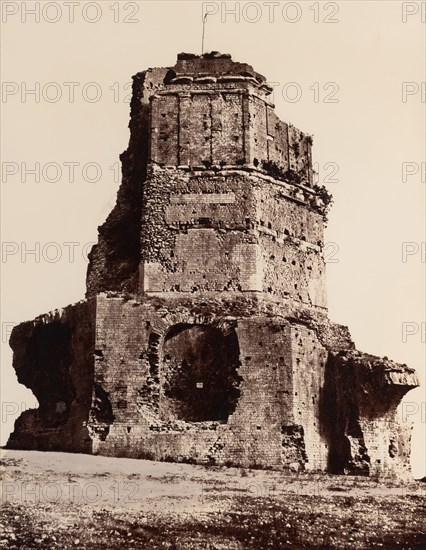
(202, 39)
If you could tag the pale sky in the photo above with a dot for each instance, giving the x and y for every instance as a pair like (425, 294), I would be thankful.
(342, 81)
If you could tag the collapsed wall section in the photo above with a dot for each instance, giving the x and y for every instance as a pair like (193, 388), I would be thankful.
(53, 356)
(114, 260)
(367, 435)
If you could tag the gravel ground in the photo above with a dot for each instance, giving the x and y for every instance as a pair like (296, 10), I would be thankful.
(64, 501)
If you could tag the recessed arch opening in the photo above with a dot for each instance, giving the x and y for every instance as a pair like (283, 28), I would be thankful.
(199, 373)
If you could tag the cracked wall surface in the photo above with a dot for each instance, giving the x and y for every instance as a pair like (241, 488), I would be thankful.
(204, 336)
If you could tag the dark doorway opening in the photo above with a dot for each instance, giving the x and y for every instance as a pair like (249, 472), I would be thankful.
(199, 375)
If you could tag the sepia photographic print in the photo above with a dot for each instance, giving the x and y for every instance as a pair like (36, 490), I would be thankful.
(213, 285)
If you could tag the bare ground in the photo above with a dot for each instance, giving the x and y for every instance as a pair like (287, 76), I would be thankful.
(64, 501)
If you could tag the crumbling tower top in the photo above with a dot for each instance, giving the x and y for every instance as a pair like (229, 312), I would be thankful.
(217, 193)
(218, 65)
(211, 110)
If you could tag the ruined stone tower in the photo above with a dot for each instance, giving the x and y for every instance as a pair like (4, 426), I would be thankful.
(204, 335)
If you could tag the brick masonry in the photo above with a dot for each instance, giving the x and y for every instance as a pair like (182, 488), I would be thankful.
(204, 335)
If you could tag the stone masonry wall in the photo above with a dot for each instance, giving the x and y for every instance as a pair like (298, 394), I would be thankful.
(309, 358)
(129, 368)
(230, 231)
(302, 397)
(224, 124)
(196, 234)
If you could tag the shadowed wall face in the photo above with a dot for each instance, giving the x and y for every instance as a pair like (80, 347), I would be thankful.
(51, 359)
(199, 374)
